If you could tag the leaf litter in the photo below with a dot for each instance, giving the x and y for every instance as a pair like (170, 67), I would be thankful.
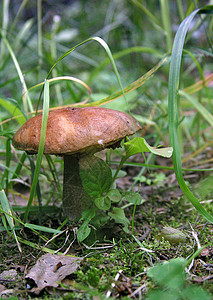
(50, 269)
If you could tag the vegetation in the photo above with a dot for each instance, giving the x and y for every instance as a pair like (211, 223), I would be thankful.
(149, 233)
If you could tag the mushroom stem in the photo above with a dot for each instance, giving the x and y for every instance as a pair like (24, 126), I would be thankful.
(75, 199)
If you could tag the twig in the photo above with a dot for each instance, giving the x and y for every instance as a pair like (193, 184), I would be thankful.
(143, 286)
(113, 284)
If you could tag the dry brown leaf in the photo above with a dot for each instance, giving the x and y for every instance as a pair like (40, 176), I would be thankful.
(50, 269)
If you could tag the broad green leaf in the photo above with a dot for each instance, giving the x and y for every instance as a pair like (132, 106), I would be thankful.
(195, 293)
(134, 198)
(139, 145)
(96, 175)
(100, 220)
(118, 215)
(114, 195)
(170, 274)
(159, 294)
(83, 231)
(88, 214)
(103, 203)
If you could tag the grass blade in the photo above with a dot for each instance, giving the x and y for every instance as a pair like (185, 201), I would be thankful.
(106, 48)
(199, 107)
(41, 148)
(8, 215)
(174, 79)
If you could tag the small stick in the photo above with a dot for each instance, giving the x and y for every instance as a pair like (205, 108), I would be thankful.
(113, 284)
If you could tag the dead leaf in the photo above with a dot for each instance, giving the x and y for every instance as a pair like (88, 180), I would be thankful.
(50, 269)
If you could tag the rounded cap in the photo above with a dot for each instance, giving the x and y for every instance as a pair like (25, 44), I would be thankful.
(76, 130)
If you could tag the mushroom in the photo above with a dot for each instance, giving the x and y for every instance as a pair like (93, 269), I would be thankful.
(74, 133)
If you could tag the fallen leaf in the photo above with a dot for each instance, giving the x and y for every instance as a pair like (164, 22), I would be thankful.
(51, 269)
(173, 235)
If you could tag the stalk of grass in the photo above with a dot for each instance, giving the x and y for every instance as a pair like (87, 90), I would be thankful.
(5, 22)
(174, 79)
(39, 20)
(150, 15)
(180, 9)
(166, 22)
(41, 148)
(8, 215)
(21, 8)
(8, 159)
(53, 50)
(153, 166)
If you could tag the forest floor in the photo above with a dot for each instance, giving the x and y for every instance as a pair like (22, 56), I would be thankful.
(116, 265)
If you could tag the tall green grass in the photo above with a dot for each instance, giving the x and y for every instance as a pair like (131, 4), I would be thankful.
(148, 79)
(173, 108)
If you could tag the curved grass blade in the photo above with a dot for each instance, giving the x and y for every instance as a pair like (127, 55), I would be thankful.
(40, 149)
(122, 53)
(131, 87)
(106, 48)
(174, 79)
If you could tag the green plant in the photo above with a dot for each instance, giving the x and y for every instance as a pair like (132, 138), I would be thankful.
(97, 181)
(170, 280)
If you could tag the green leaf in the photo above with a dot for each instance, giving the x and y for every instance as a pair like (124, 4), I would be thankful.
(118, 215)
(100, 220)
(114, 195)
(83, 231)
(158, 294)
(103, 203)
(195, 293)
(88, 214)
(96, 175)
(139, 145)
(170, 274)
(134, 198)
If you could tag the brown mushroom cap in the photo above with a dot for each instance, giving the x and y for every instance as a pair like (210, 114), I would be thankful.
(73, 130)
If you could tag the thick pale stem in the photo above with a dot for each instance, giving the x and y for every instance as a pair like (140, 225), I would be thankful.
(75, 199)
